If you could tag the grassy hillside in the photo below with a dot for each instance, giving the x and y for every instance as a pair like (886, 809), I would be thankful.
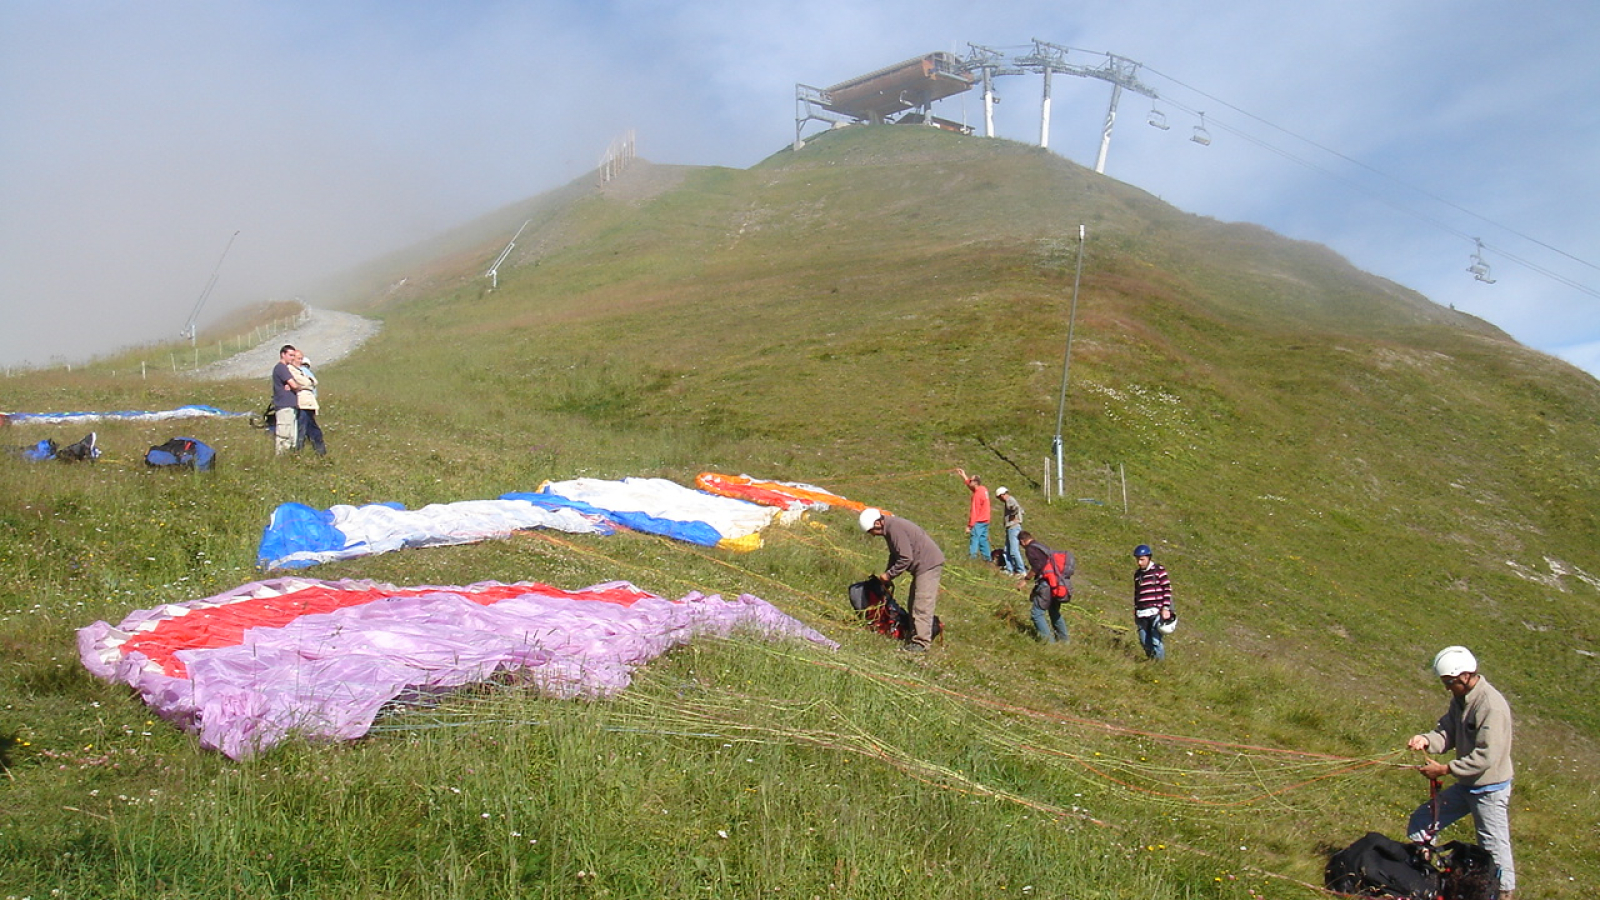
(1341, 475)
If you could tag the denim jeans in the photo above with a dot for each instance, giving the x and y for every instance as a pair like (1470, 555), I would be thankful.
(1015, 563)
(1150, 637)
(978, 543)
(1047, 621)
(309, 430)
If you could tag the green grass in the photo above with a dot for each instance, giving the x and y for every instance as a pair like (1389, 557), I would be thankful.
(1341, 477)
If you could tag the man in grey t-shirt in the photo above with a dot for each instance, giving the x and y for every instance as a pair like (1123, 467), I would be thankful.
(286, 429)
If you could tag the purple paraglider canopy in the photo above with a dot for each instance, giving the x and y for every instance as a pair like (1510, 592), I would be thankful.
(248, 668)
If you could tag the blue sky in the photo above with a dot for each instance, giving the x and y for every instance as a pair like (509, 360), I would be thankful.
(135, 139)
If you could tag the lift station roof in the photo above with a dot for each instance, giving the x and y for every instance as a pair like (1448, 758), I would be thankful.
(906, 85)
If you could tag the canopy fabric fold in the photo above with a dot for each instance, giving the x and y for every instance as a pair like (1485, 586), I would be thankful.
(299, 536)
(659, 506)
(786, 495)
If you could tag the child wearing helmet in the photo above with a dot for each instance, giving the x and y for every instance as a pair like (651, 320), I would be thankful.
(1152, 603)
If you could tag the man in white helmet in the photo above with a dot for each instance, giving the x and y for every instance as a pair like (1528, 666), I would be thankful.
(1477, 726)
(910, 550)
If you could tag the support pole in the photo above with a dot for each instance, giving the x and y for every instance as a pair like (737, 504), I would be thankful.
(1044, 112)
(1055, 449)
(1105, 133)
(988, 102)
(1066, 365)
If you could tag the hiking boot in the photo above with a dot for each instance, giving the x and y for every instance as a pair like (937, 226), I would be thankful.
(914, 648)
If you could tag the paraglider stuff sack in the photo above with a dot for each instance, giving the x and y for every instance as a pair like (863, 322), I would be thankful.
(1378, 865)
(182, 452)
(45, 449)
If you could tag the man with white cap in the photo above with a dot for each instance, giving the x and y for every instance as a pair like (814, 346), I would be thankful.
(1016, 564)
(1477, 726)
(910, 550)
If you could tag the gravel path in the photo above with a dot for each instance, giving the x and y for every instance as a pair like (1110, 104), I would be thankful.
(324, 337)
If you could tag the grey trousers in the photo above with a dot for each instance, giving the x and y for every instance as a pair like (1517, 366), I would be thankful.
(1491, 812)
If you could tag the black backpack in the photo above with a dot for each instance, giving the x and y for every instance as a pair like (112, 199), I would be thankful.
(268, 418)
(1379, 866)
(874, 600)
(86, 450)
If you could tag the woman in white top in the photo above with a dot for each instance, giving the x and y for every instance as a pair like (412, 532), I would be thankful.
(306, 403)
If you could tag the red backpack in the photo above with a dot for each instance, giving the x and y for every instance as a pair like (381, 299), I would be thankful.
(1058, 571)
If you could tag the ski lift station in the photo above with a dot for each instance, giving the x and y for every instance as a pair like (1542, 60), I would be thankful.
(905, 92)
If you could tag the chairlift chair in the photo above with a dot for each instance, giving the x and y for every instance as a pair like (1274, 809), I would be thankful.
(1158, 119)
(1479, 267)
(1201, 136)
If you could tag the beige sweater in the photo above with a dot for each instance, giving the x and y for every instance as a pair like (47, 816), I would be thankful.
(1478, 727)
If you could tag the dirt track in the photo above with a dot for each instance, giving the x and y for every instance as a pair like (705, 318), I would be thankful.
(324, 337)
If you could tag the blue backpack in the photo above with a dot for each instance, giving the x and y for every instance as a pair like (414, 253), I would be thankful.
(181, 451)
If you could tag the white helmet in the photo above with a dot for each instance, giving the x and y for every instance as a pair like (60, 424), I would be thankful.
(1168, 626)
(1452, 661)
(999, 491)
(869, 518)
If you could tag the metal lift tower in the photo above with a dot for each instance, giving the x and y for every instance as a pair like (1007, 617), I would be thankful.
(908, 89)
(1046, 59)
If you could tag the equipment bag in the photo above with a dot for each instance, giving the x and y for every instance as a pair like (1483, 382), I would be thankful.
(874, 600)
(268, 419)
(1058, 572)
(45, 449)
(1467, 872)
(180, 451)
(1379, 866)
(85, 450)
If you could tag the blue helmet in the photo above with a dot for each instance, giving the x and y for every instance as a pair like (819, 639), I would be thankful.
(1142, 550)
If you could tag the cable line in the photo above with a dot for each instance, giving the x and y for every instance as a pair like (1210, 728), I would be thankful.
(1356, 162)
